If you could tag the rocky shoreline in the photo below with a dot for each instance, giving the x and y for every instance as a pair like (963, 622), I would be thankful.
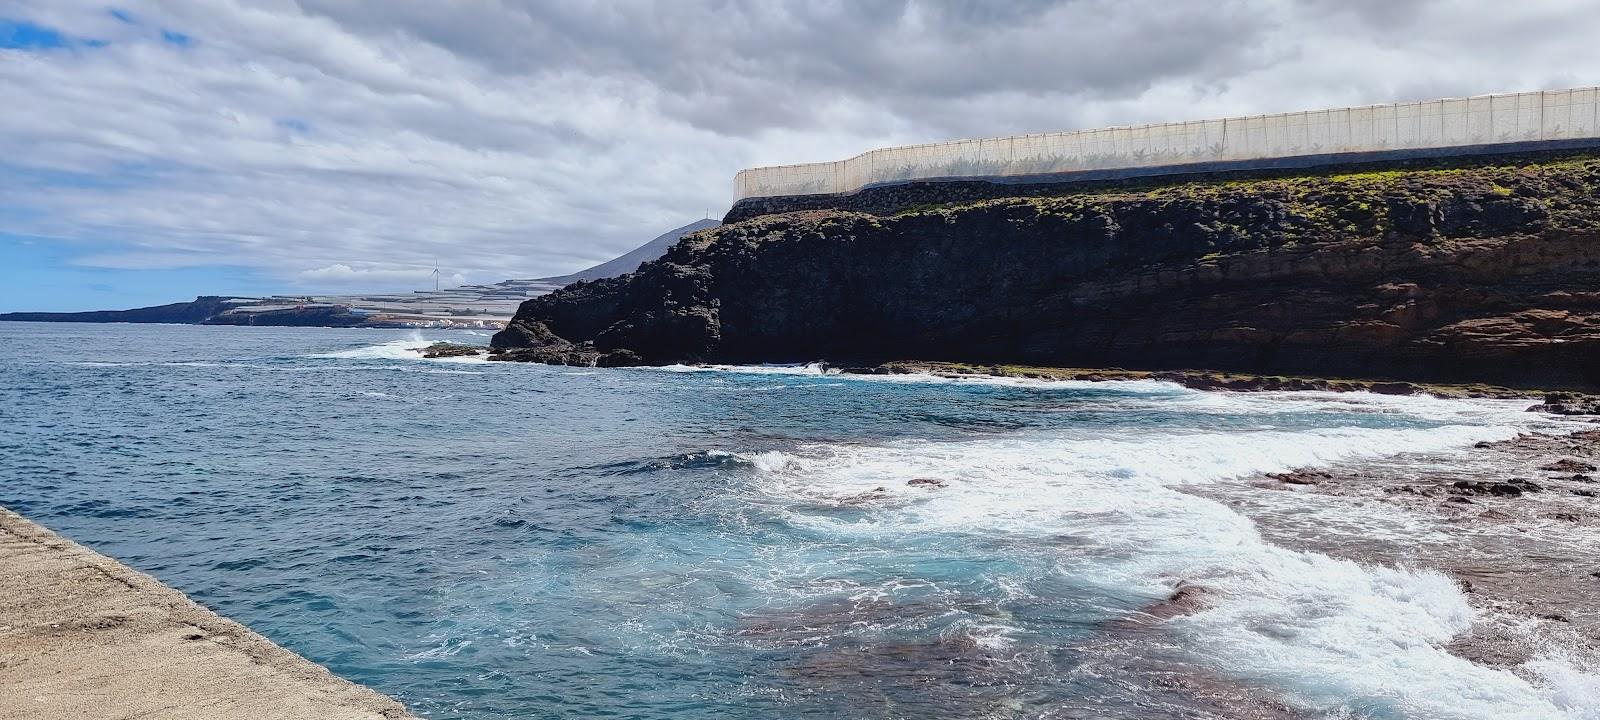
(1555, 403)
(1193, 379)
(1516, 523)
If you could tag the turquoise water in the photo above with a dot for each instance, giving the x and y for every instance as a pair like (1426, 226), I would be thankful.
(485, 540)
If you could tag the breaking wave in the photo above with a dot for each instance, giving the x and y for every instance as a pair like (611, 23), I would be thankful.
(1329, 635)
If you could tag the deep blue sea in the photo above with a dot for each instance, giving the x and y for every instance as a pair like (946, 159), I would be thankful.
(485, 540)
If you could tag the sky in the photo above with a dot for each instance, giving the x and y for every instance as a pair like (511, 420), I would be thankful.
(154, 150)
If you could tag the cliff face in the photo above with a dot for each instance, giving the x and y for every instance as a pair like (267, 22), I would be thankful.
(1484, 274)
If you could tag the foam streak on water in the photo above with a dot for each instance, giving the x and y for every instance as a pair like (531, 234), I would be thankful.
(507, 540)
(1331, 635)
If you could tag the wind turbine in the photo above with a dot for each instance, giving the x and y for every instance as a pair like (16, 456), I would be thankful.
(436, 279)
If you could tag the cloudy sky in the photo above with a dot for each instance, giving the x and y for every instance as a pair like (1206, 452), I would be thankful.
(154, 150)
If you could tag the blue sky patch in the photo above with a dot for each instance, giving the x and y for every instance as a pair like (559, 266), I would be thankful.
(39, 274)
(120, 176)
(23, 35)
(172, 37)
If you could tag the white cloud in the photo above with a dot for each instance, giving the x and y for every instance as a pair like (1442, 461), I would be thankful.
(369, 275)
(506, 138)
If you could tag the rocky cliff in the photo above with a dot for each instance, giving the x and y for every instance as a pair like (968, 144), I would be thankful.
(1476, 274)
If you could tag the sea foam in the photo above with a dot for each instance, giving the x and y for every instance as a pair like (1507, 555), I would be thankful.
(1330, 635)
(408, 348)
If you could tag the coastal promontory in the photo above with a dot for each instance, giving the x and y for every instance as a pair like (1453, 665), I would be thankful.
(1481, 272)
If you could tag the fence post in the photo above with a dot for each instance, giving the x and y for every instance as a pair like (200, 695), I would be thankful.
(1541, 114)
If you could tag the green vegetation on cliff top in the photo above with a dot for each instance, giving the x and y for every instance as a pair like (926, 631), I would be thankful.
(1357, 203)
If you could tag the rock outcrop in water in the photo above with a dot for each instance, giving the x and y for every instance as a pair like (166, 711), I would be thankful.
(1480, 274)
(449, 350)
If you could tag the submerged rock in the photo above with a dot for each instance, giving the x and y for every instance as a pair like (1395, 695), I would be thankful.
(877, 494)
(1568, 465)
(1186, 599)
(1300, 477)
(1512, 488)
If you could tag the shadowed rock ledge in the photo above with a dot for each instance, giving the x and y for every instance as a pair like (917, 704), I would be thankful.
(1481, 274)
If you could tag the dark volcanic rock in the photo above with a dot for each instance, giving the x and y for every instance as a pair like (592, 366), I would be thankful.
(1300, 477)
(1568, 465)
(1514, 487)
(449, 350)
(1187, 599)
(1566, 403)
(1479, 275)
(1481, 487)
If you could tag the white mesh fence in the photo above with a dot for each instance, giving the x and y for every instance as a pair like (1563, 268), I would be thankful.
(1484, 120)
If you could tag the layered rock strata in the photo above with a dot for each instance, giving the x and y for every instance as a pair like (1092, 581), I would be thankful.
(1484, 274)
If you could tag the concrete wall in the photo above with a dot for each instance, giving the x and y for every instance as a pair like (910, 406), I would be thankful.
(84, 637)
(1552, 118)
(888, 199)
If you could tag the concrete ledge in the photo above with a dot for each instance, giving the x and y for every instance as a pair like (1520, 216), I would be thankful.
(83, 636)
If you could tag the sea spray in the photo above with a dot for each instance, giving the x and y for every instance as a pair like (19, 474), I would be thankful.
(408, 348)
(1330, 635)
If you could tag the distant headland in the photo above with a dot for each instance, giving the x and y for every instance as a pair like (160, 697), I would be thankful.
(466, 306)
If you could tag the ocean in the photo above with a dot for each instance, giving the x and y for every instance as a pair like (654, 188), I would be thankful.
(491, 540)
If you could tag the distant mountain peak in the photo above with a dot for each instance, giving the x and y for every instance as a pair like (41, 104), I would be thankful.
(631, 260)
(464, 306)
